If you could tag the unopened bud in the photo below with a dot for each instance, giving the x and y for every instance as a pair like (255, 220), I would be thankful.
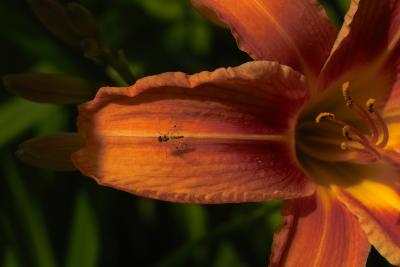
(56, 20)
(50, 88)
(84, 23)
(51, 152)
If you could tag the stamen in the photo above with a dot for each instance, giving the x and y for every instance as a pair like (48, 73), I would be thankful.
(350, 103)
(362, 148)
(370, 105)
(348, 132)
(324, 116)
(346, 94)
(385, 131)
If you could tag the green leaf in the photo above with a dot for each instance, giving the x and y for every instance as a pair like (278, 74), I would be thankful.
(34, 231)
(10, 258)
(83, 248)
(18, 115)
(227, 256)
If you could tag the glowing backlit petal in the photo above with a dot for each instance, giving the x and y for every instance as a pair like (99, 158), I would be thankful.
(295, 33)
(319, 231)
(212, 137)
(377, 207)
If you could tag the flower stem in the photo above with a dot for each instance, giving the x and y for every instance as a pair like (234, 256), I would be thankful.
(117, 62)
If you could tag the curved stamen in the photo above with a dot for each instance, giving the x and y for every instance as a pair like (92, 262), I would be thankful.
(385, 131)
(362, 148)
(350, 103)
(348, 132)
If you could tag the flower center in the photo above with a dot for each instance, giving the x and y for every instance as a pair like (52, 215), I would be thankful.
(361, 147)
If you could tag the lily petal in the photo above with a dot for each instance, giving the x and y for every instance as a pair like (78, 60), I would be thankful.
(294, 33)
(369, 34)
(377, 207)
(235, 127)
(319, 231)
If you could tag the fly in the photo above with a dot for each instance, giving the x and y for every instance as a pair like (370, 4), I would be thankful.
(178, 147)
(166, 137)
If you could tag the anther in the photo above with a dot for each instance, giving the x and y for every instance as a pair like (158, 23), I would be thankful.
(344, 146)
(346, 94)
(324, 116)
(370, 105)
(350, 103)
(346, 132)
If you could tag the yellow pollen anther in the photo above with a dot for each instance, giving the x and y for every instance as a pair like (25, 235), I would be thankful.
(344, 146)
(370, 104)
(346, 94)
(347, 132)
(324, 116)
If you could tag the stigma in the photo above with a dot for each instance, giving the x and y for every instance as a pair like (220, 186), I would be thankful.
(362, 147)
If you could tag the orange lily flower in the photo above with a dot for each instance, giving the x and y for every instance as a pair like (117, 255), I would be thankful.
(314, 121)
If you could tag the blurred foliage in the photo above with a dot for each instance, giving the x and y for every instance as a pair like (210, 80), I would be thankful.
(54, 219)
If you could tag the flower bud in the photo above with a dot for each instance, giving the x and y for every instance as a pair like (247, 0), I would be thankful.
(84, 24)
(50, 88)
(50, 152)
(56, 20)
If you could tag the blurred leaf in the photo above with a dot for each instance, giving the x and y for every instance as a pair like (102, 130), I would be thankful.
(227, 256)
(336, 10)
(34, 231)
(51, 152)
(191, 218)
(56, 121)
(10, 259)
(163, 10)
(147, 210)
(274, 219)
(50, 88)
(181, 255)
(201, 37)
(344, 5)
(18, 115)
(83, 248)
(56, 19)
(196, 221)
(115, 76)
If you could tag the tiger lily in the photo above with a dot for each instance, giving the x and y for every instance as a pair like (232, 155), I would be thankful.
(313, 120)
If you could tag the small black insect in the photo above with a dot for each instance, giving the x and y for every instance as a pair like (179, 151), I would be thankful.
(167, 137)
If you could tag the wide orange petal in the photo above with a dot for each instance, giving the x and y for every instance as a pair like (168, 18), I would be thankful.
(319, 231)
(294, 33)
(232, 129)
(377, 207)
(370, 33)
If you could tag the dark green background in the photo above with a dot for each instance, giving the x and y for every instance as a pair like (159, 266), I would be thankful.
(64, 219)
